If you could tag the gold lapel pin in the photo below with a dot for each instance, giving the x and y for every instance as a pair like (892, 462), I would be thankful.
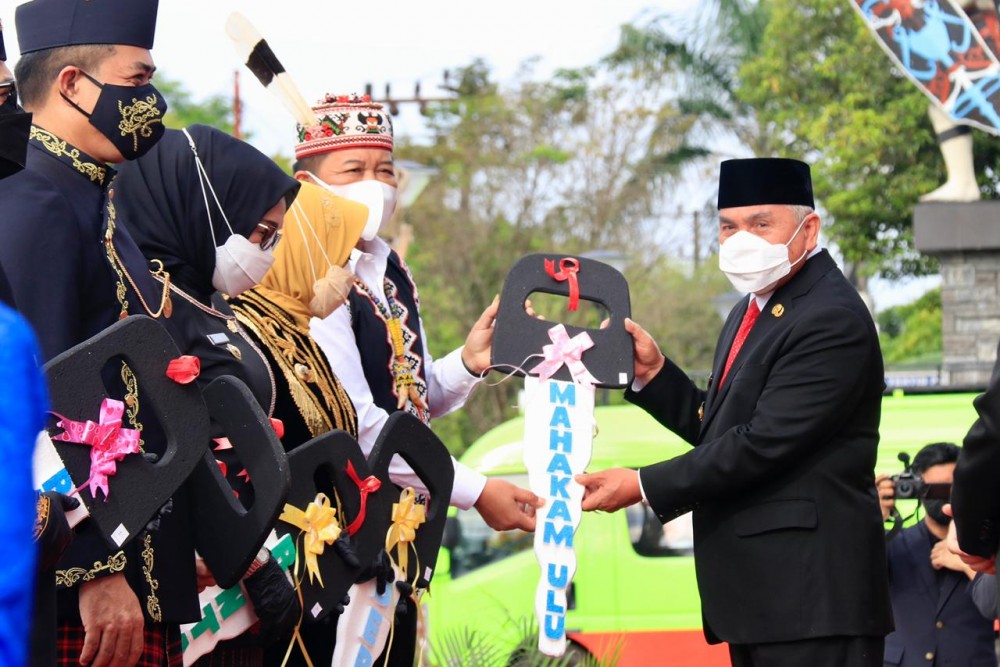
(778, 310)
(701, 411)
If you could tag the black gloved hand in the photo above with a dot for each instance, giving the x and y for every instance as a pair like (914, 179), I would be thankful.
(345, 550)
(381, 570)
(52, 532)
(344, 601)
(405, 589)
(274, 601)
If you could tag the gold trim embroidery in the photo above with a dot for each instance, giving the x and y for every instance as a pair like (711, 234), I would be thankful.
(132, 400)
(317, 393)
(152, 602)
(69, 578)
(138, 119)
(43, 510)
(57, 146)
(166, 306)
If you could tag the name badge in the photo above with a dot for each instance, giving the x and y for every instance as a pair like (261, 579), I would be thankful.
(218, 339)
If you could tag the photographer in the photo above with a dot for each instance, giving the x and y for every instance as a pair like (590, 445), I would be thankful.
(937, 622)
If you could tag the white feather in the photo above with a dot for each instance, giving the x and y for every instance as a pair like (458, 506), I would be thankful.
(245, 37)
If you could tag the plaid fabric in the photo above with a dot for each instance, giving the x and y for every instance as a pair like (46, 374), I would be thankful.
(233, 656)
(162, 645)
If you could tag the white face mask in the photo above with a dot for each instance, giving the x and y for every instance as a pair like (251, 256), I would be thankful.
(240, 265)
(379, 197)
(752, 264)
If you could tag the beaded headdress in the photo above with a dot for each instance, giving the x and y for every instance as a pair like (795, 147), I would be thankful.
(345, 121)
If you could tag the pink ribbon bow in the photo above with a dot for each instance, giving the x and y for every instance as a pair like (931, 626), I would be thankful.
(565, 351)
(109, 442)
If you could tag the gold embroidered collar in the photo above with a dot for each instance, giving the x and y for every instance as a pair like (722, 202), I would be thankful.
(70, 156)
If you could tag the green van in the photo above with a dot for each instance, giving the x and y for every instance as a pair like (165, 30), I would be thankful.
(634, 593)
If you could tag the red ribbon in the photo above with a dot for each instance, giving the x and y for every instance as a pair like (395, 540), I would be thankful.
(278, 426)
(184, 369)
(109, 443)
(568, 268)
(371, 484)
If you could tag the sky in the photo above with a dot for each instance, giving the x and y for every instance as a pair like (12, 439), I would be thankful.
(338, 47)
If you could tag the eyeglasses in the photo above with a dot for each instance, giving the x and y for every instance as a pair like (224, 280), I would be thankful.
(8, 91)
(270, 235)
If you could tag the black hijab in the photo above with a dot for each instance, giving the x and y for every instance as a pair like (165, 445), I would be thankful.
(159, 200)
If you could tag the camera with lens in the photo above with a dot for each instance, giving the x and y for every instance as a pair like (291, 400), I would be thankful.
(907, 485)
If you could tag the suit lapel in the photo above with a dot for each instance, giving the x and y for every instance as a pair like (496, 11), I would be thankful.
(729, 330)
(918, 550)
(780, 304)
(948, 587)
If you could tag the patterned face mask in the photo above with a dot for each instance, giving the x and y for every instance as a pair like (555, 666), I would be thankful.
(131, 117)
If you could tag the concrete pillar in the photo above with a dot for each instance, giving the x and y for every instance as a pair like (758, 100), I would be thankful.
(965, 238)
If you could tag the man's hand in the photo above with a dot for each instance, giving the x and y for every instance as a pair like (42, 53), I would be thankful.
(610, 489)
(203, 575)
(112, 622)
(976, 563)
(943, 558)
(505, 506)
(648, 358)
(479, 343)
(886, 495)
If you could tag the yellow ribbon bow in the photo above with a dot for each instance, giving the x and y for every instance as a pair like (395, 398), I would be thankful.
(407, 515)
(319, 523)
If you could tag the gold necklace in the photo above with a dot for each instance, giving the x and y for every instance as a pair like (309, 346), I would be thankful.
(166, 308)
(233, 326)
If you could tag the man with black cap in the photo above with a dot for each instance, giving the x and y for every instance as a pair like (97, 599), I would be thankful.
(84, 73)
(789, 546)
(14, 126)
(14, 122)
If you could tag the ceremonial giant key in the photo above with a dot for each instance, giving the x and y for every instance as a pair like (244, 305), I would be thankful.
(559, 405)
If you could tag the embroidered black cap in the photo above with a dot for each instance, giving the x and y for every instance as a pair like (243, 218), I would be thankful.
(765, 180)
(47, 24)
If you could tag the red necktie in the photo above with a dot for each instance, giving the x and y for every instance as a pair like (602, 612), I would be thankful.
(741, 335)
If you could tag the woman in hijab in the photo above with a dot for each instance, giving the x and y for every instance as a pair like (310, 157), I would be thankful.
(307, 280)
(210, 208)
(213, 218)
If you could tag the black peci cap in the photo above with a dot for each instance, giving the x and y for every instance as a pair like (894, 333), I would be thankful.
(765, 180)
(47, 24)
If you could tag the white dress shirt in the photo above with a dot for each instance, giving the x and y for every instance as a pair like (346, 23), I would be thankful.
(448, 382)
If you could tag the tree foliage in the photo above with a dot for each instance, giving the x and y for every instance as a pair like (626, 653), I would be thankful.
(559, 166)
(822, 84)
(699, 56)
(911, 333)
(183, 110)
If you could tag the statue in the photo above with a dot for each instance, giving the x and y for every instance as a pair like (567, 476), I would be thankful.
(949, 51)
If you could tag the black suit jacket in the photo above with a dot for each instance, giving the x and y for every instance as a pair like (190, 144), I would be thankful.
(934, 613)
(788, 534)
(53, 256)
(975, 494)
